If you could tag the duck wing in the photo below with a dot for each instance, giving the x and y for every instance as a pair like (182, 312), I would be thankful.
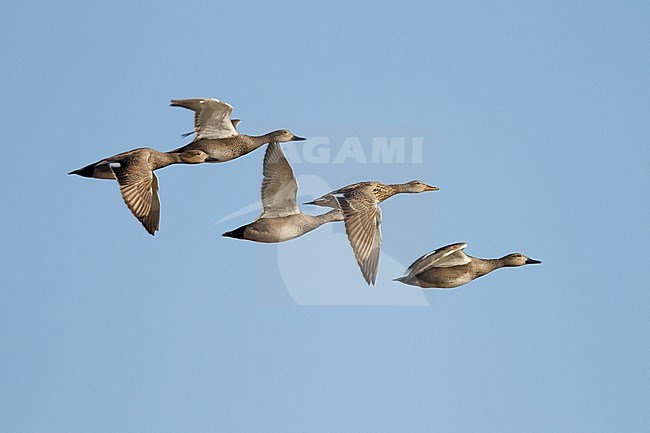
(279, 187)
(235, 122)
(363, 227)
(211, 117)
(139, 188)
(445, 257)
(355, 188)
(329, 199)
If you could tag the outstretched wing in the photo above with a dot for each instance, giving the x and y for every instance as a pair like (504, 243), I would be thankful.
(139, 188)
(211, 117)
(279, 187)
(363, 227)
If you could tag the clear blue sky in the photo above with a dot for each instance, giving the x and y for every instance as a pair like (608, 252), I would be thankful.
(534, 124)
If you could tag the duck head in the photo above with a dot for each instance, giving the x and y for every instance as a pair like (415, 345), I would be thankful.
(518, 259)
(194, 156)
(416, 186)
(284, 135)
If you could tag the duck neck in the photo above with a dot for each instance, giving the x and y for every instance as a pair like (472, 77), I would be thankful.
(331, 216)
(252, 142)
(383, 192)
(485, 266)
(328, 217)
(258, 140)
(163, 159)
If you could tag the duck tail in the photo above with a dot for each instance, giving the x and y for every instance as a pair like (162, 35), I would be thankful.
(321, 201)
(86, 171)
(238, 233)
(325, 201)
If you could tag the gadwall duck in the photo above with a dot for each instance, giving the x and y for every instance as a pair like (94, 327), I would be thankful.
(133, 171)
(216, 134)
(359, 203)
(281, 220)
(450, 267)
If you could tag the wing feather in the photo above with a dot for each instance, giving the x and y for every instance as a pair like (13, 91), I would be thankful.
(447, 256)
(363, 227)
(139, 188)
(279, 187)
(211, 117)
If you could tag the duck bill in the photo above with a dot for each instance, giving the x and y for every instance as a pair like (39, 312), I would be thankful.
(533, 262)
(431, 188)
(296, 138)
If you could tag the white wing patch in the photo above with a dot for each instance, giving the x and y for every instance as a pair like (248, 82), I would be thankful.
(211, 117)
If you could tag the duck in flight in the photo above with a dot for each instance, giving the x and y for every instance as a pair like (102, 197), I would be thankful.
(216, 132)
(281, 219)
(134, 172)
(362, 215)
(450, 267)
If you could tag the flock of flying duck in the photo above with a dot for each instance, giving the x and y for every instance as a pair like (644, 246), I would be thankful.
(217, 140)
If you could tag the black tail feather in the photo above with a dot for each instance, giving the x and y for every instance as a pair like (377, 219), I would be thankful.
(86, 171)
(237, 233)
